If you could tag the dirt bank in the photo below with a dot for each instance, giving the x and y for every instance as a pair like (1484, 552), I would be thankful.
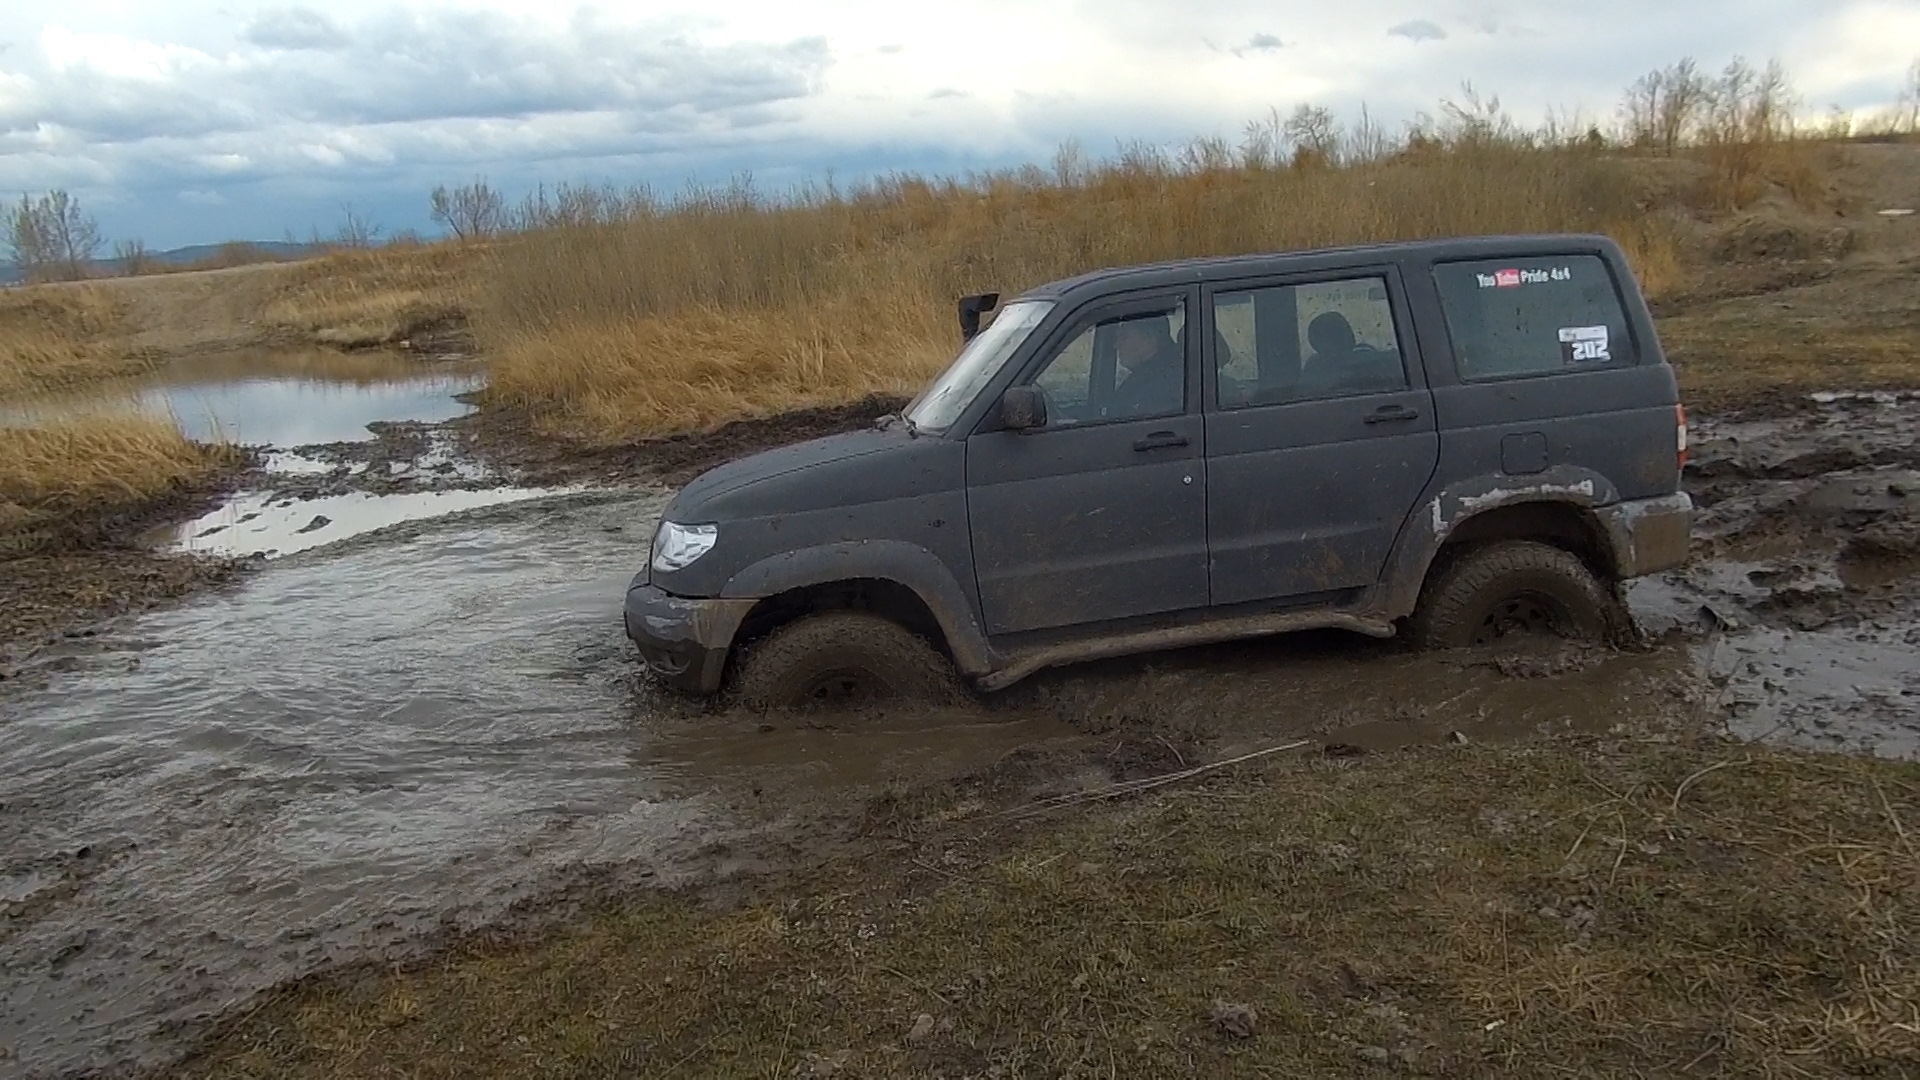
(75, 570)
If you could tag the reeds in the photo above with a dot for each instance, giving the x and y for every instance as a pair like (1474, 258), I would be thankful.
(671, 318)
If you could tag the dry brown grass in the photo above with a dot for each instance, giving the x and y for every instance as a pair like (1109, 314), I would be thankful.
(1602, 910)
(371, 297)
(63, 474)
(55, 336)
(682, 319)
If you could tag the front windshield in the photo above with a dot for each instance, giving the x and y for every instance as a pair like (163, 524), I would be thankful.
(940, 404)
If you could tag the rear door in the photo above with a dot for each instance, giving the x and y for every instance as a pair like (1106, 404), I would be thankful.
(1102, 513)
(1320, 432)
(1555, 371)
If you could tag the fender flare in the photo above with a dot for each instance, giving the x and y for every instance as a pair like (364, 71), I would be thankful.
(1441, 513)
(908, 565)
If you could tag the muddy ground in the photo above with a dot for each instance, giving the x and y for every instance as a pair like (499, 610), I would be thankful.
(383, 745)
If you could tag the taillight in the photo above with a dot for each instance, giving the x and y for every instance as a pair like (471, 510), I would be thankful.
(1680, 433)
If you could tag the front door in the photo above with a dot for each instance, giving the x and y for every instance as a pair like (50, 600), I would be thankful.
(1102, 513)
(1318, 441)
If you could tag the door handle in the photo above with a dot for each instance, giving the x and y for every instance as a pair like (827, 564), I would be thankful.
(1160, 440)
(1390, 413)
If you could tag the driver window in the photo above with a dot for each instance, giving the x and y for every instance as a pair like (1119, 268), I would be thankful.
(1130, 367)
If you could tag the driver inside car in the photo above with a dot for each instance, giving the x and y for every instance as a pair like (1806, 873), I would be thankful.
(1155, 384)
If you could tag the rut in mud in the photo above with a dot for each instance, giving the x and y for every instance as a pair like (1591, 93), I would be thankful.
(391, 736)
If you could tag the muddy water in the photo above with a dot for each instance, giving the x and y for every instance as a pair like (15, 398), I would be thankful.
(376, 739)
(357, 749)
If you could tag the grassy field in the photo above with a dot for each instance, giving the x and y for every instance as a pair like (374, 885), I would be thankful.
(62, 478)
(1606, 909)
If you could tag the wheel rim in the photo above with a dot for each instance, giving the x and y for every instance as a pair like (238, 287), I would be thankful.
(1522, 613)
(842, 686)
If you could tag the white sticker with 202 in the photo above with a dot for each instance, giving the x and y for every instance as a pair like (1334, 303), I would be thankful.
(1584, 343)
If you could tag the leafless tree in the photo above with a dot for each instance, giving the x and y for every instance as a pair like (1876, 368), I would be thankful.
(355, 231)
(24, 241)
(1907, 116)
(1260, 146)
(471, 211)
(1314, 135)
(133, 257)
(51, 237)
(1662, 108)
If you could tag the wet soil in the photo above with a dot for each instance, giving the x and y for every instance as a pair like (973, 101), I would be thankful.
(415, 730)
(69, 578)
(428, 729)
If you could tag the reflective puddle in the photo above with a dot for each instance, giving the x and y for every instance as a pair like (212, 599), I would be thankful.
(261, 523)
(282, 399)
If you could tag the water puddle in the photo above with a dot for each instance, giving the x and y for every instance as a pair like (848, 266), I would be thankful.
(1855, 689)
(262, 523)
(339, 757)
(280, 399)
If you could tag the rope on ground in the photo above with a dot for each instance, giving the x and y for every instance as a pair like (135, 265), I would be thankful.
(1134, 787)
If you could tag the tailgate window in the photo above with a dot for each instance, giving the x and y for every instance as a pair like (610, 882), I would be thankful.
(1533, 316)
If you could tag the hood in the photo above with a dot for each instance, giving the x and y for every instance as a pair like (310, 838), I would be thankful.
(712, 485)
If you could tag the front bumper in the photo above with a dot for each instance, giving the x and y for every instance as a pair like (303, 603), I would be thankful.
(685, 642)
(1649, 535)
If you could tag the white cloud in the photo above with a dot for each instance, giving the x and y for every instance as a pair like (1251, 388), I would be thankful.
(295, 28)
(1418, 30)
(287, 109)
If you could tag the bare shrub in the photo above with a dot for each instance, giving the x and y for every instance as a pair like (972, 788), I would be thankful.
(1662, 108)
(472, 211)
(132, 257)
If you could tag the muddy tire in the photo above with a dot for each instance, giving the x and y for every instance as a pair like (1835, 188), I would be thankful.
(846, 658)
(1514, 586)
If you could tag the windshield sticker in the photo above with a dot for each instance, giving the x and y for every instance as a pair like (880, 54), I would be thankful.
(1582, 344)
(1514, 278)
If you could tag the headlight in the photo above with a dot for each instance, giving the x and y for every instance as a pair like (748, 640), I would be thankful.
(675, 547)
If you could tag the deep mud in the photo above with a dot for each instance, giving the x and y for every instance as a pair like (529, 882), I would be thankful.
(416, 730)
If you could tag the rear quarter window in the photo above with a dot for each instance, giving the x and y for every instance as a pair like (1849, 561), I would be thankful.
(1510, 318)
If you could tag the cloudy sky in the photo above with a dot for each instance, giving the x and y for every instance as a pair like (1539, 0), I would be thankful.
(182, 121)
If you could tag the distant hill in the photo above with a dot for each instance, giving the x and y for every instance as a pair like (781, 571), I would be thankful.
(279, 250)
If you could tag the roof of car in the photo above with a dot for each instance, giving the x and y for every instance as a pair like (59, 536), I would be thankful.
(1188, 271)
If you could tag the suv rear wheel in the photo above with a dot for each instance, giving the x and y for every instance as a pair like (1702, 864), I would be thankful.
(843, 658)
(1514, 587)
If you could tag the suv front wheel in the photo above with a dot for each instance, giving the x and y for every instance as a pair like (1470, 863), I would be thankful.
(1514, 587)
(845, 658)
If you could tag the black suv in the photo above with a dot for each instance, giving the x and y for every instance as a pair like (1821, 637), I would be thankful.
(1456, 439)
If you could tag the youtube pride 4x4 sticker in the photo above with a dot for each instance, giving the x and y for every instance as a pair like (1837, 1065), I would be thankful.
(1514, 278)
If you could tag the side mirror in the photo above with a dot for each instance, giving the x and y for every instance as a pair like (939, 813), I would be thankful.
(971, 308)
(1023, 408)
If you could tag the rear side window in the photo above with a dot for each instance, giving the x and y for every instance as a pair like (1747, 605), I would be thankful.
(1287, 343)
(1534, 316)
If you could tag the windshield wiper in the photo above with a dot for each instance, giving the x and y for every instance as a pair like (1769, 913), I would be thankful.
(887, 420)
